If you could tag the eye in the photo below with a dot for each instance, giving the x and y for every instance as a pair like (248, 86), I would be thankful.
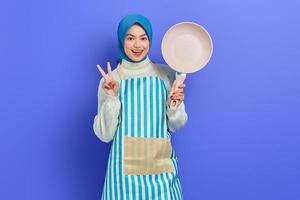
(144, 38)
(129, 38)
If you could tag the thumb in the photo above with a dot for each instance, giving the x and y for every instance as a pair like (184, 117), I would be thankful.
(173, 86)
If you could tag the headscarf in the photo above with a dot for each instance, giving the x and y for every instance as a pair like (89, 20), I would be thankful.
(124, 26)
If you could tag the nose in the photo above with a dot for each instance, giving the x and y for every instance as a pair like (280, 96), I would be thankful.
(137, 43)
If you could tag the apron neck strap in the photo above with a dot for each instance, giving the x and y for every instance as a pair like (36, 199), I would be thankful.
(123, 76)
(120, 72)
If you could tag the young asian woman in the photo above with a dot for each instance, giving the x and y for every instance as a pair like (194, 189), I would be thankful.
(138, 108)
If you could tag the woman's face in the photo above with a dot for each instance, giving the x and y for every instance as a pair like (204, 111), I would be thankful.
(136, 44)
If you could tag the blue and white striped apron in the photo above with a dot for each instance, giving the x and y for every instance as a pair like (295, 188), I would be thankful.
(143, 114)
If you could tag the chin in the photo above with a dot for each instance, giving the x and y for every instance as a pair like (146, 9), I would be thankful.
(137, 59)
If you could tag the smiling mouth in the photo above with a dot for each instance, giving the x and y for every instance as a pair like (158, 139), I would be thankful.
(137, 53)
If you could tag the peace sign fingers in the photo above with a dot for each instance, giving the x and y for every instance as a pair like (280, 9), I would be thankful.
(107, 77)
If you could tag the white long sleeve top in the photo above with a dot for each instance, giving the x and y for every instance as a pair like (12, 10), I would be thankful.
(106, 120)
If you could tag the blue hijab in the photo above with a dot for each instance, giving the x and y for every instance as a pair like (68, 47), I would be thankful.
(124, 26)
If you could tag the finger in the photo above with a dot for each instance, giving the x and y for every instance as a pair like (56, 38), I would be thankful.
(111, 84)
(180, 90)
(171, 101)
(181, 85)
(107, 85)
(177, 95)
(109, 70)
(116, 86)
(173, 86)
(181, 98)
(102, 71)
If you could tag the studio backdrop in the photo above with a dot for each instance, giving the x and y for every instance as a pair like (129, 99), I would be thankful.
(241, 140)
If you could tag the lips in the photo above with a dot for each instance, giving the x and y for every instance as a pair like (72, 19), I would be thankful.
(137, 53)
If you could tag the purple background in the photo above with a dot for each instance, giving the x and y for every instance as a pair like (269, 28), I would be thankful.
(241, 141)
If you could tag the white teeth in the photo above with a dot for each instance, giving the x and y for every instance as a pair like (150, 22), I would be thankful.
(136, 51)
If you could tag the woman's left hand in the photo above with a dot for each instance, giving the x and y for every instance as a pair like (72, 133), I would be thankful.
(176, 95)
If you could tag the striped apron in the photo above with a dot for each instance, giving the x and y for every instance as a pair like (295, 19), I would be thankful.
(142, 164)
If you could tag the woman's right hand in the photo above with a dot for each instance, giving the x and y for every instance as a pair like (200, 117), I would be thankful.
(110, 86)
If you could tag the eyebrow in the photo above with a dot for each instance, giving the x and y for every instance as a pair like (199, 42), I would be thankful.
(134, 35)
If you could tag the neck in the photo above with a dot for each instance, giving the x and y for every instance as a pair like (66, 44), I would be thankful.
(136, 65)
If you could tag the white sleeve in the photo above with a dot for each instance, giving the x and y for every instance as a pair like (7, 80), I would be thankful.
(177, 117)
(106, 120)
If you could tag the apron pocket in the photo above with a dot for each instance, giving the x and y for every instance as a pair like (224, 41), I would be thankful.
(147, 156)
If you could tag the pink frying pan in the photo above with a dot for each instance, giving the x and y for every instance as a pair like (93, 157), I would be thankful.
(186, 47)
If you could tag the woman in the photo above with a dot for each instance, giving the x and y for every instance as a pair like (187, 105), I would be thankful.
(137, 109)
